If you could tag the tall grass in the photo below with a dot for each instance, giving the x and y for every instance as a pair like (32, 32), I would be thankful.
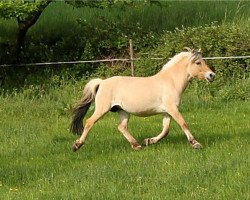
(61, 18)
(8, 30)
(152, 17)
(37, 162)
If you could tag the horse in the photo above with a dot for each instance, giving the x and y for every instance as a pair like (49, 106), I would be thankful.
(142, 96)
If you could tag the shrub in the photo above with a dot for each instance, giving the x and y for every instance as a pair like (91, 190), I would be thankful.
(214, 40)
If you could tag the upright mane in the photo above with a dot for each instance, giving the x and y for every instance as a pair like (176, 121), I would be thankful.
(193, 55)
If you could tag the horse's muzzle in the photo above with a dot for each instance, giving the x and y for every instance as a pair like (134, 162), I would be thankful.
(210, 76)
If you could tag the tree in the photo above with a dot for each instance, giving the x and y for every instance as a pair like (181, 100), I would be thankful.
(26, 14)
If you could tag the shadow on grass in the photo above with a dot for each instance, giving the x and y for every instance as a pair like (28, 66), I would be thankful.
(207, 140)
(60, 139)
(103, 147)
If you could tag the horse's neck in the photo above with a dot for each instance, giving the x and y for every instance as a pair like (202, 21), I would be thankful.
(178, 76)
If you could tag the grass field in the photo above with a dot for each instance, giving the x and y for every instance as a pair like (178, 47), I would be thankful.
(37, 162)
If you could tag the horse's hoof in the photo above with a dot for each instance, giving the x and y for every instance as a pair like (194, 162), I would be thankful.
(148, 141)
(197, 145)
(136, 146)
(77, 145)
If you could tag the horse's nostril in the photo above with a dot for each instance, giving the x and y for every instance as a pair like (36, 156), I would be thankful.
(212, 75)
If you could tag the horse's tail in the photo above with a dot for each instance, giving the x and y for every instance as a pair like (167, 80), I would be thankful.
(82, 107)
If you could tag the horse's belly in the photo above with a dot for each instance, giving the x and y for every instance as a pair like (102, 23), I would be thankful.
(145, 113)
(148, 112)
(143, 110)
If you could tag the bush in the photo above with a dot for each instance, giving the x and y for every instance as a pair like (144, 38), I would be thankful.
(232, 75)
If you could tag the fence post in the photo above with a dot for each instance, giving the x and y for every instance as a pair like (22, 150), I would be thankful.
(131, 52)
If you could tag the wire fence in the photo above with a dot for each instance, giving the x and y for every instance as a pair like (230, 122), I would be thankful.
(68, 62)
(110, 60)
(130, 60)
(226, 57)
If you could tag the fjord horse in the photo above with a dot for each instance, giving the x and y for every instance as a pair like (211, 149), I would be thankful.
(142, 96)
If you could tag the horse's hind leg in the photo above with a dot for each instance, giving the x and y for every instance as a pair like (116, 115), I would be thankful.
(123, 128)
(164, 133)
(99, 112)
(88, 125)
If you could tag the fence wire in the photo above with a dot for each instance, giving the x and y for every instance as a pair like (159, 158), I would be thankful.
(111, 60)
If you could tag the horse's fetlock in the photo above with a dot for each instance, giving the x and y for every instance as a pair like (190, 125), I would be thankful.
(77, 145)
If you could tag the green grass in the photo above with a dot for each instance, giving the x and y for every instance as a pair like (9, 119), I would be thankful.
(166, 17)
(37, 162)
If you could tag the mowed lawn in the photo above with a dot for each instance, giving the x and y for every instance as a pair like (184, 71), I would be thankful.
(36, 160)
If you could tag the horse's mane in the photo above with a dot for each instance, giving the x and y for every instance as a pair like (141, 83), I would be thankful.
(196, 54)
(193, 55)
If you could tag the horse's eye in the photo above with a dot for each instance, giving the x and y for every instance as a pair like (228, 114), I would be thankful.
(198, 63)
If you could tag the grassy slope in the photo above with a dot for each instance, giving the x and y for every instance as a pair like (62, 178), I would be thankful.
(37, 162)
(60, 18)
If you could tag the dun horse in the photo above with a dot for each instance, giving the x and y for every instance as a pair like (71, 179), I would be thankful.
(142, 96)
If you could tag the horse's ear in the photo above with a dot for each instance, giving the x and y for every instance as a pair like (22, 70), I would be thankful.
(188, 49)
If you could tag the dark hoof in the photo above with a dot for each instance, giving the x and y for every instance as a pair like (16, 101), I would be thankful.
(77, 145)
(196, 145)
(136, 146)
(149, 141)
(146, 142)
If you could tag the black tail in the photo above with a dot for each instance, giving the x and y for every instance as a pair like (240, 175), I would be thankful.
(81, 109)
(79, 113)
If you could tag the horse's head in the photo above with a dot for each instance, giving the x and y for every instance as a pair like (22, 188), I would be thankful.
(198, 67)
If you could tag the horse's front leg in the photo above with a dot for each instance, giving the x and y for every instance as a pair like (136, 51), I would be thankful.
(164, 133)
(174, 112)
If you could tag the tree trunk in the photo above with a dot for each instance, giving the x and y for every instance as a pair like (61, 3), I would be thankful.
(23, 27)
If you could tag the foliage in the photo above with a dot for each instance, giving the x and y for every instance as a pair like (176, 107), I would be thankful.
(215, 40)
(91, 4)
(18, 8)
(22, 8)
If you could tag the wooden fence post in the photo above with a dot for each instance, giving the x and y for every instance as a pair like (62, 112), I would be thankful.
(131, 52)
